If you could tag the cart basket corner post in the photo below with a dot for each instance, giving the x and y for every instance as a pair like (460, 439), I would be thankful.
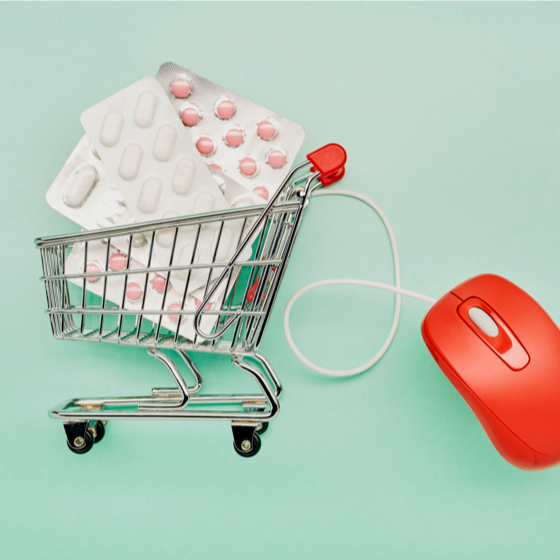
(230, 316)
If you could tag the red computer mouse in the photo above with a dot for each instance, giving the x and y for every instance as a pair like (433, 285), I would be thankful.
(501, 351)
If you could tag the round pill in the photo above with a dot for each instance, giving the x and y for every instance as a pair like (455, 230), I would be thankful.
(248, 167)
(92, 267)
(173, 307)
(276, 159)
(261, 191)
(197, 302)
(216, 166)
(225, 109)
(117, 261)
(158, 283)
(180, 88)
(266, 130)
(190, 116)
(133, 291)
(205, 145)
(139, 240)
(234, 137)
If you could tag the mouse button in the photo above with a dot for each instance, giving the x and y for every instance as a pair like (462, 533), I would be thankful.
(484, 322)
(448, 337)
(499, 339)
(504, 343)
(488, 287)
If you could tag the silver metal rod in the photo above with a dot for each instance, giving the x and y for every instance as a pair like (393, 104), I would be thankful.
(103, 274)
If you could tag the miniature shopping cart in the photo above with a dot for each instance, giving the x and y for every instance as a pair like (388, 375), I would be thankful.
(233, 324)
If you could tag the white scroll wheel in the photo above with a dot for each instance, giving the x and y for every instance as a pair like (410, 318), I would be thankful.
(483, 321)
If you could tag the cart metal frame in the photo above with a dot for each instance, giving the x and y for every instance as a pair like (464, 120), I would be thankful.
(239, 320)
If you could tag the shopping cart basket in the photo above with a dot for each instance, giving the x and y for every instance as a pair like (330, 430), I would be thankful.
(231, 316)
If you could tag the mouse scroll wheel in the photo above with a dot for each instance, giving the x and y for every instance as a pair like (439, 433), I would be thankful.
(483, 321)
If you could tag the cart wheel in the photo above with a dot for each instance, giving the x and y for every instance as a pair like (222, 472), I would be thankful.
(97, 430)
(81, 445)
(248, 449)
(261, 428)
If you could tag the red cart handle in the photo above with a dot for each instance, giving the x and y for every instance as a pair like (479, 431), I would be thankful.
(329, 161)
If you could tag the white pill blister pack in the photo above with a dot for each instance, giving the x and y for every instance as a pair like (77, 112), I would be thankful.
(251, 144)
(95, 202)
(160, 173)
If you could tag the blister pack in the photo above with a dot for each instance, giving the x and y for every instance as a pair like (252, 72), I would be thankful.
(155, 165)
(251, 144)
(80, 186)
(139, 290)
(94, 200)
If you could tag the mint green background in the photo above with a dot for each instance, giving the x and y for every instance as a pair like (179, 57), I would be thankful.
(451, 117)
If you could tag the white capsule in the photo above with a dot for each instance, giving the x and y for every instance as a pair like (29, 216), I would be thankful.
(204, 203)
(80, 185)
(164, 237)
(130, 162)
(165, 142)
(111, 129)
(139, 240)
(184, 176)
(149, 195)
(145, 109)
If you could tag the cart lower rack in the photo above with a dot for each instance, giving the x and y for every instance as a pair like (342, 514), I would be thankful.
(229, 316)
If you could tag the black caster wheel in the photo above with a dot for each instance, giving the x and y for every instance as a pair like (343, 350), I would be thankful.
(81, 445)
(249, 449)
(261, 428)
(98, 430)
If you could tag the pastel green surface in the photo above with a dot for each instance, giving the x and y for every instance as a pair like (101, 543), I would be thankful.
(450, 114)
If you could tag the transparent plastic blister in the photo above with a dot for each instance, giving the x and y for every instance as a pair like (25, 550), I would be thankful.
(85, 178)
(159, 172)
(251, 144)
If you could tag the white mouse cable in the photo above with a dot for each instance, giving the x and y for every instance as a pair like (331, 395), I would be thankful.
(397, 289)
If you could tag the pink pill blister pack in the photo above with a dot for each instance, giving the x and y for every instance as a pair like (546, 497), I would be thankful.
(251, 144)
(142, 290)
(159, 172)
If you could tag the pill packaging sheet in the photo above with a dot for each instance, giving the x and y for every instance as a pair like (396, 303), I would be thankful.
(133, 297)
(251, 144)
(102, 204)
(154, 164)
